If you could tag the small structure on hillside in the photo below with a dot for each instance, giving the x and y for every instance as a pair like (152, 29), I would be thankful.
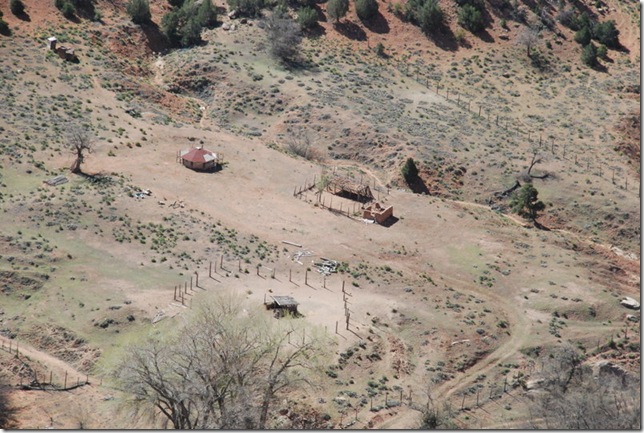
(349, 188)
(199, 158)
(377, 213)
(283, 305)
(63, 52)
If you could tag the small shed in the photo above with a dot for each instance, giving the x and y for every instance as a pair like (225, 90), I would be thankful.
(349, 188)
(199, 158)
(52, 43)
(283, 305)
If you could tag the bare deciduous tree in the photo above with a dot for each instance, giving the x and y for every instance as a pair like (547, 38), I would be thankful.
(81, 141)
(300, 143)
(284, 36)
(528, 38)
(224, 370)
(574, 398)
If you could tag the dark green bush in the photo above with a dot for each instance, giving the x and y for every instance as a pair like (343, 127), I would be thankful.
(307, 17)
(366, 9)
(602, 52)
(430, 16)
(68, 10)
(607, 34)
(249, 8)
(583, 36)
(380, 49)
(139, 11)
(336, 9)
(471, 18)
(182, 26)
(589, 55)
(410, 171)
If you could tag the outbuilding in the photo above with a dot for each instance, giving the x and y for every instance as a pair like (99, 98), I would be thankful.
(199, 158)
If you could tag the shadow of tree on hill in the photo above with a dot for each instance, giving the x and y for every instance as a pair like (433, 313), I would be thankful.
(23, 16)
(157, 40)
(351, 30)
(377, 24)
(444, 38)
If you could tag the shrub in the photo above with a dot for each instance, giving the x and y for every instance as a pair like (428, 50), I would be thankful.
(17, 7)
(583, 36)
(307, 17)
(139, 11)
(175, 3)
(471, 18)
(283, 36)
(380, 50)
(366, 9)
(336, 9)
(206, 14)
(68, 10)
(589, 55)
(410, 171)
(602, 52)
(607, 34)
(59, 4)
(430, 16)
(183, 26)
(250, 8)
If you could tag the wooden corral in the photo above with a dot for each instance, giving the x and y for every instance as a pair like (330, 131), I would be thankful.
(378, 213)
(283, 305)
(350, 188)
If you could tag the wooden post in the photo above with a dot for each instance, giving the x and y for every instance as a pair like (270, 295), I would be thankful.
(51, 377)
(497, 120)
(324, 282)
(289, 276)
(348, 317)
(342, 286)
(65, 382)
(401, 391)
(477, 397)
(273, 273)
(386, 402)
(303, 336)
(196, 279)
(174, 298)
(17, 348)
(306, 277)
(257, 268)
(239, 265)
(221, 262)
(463, 401)
(479, 111)
(336, 326)
(182, 299)
(505, 383)
(448, 94)
(410, 400)
(185, 287)
(264, 298)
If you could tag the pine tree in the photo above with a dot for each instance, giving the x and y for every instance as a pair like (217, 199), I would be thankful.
(525, 202)
(410, 171)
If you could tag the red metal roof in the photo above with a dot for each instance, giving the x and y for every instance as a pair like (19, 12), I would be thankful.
(197, 154)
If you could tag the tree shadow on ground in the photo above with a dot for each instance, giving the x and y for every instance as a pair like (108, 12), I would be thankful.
(377, 24)
(157, 41)
(23, 16)
(444, 38)
(351, 30)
